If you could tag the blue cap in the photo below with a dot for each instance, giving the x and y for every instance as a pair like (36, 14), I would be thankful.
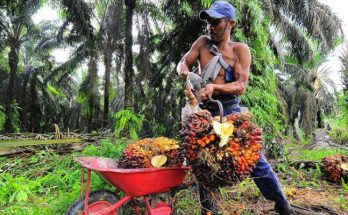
(218, 10)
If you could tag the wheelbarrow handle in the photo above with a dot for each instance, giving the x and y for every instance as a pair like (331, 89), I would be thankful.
(221, 109)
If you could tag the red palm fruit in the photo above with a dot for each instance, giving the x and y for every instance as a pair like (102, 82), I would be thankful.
(200, 142)
(234, 144)
(234, 163)
(257, 138)
(212, 137)
(250, 162)
(257, 131)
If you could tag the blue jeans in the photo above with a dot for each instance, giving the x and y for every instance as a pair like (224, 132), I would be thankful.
(264, 178)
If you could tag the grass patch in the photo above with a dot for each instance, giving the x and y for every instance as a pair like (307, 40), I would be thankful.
(48, 183)
(319, 154)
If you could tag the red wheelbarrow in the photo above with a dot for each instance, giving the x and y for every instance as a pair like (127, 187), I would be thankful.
(134, 183)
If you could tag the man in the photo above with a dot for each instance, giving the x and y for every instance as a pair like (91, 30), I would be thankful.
(224, 65)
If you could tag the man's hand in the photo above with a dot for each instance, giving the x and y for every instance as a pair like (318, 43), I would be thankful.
(207, 91)
(182, 69)
(191, 97)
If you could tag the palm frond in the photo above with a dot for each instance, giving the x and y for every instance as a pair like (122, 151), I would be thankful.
(299, 44)
(79, 14)
(79, 54)
(344, 68)
(300, 76)
(303, 20)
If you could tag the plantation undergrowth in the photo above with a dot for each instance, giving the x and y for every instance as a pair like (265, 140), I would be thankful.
(48, 183)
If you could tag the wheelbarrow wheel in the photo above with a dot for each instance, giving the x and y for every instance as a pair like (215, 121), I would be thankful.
(101, 198)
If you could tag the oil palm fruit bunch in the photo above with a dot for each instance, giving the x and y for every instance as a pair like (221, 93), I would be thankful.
(150, 152)
(224, 153)
(194, 133)
(335, 167)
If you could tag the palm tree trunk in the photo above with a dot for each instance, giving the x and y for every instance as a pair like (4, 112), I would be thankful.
(129, 73)
(13, 63)
(35, 112)
(24, 104)
(113, 35)
(116, 37)
(107, 63)
(118, 62)
(319, 117)
(92, 72)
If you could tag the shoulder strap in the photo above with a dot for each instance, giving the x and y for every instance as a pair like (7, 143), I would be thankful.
(213, 49)
(212, 69)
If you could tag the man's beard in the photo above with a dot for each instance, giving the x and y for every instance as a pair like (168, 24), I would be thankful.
(214, 37)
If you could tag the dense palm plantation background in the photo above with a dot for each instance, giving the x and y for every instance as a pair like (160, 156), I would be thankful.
(119, 79)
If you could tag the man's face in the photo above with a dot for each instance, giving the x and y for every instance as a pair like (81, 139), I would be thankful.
(217, 29)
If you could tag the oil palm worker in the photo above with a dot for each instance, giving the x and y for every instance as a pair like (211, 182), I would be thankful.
(224, 65)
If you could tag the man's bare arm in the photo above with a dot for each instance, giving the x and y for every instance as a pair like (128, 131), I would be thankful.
(241, 67)
(190, 57)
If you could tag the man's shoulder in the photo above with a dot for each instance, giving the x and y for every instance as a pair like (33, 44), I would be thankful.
(238, 46)
(240, 49)
(203, 40)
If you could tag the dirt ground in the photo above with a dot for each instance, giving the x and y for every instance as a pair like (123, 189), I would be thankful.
(245, 199)
(305, 201)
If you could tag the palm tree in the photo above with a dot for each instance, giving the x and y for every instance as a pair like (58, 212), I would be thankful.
(109, 35)
(89, 91)
(78, 32)
(16, 27)
(308, 94)
(324, 93)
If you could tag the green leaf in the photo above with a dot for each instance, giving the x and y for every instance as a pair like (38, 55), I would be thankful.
(12, 197)
(21, 196)
(133, 134)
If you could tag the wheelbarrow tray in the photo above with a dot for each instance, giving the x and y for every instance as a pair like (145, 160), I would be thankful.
(135, 182)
